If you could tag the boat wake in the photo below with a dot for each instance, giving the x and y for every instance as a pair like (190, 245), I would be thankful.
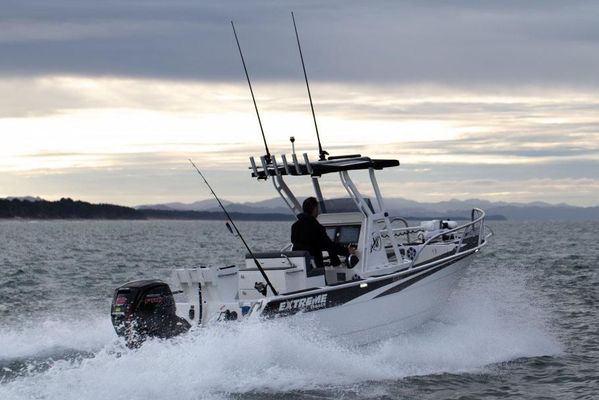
(489, 320)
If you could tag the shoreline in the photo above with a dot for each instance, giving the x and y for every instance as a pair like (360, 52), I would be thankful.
(246, 217)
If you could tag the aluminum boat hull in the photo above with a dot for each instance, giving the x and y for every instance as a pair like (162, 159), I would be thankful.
(378, 310)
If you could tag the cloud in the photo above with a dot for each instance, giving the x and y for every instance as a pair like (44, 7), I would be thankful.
(35, 31)
(486, 99)
(90, 116)
(462, 43)
(495, 81)
(141, 182)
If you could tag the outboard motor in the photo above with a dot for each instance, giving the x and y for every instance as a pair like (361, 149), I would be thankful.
(145, 309)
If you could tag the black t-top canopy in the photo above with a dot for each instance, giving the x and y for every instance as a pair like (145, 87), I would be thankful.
(333, 164)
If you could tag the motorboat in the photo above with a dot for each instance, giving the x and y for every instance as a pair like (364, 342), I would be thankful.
(399, 277)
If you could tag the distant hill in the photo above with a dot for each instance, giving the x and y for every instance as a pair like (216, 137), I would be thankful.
(454, 209)
(512, 211)
(213, 215)
(275, 210)
(262, 207)
(28, 198)
(202, 205)
(65, 208)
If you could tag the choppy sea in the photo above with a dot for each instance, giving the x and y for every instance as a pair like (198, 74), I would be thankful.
(523, 323)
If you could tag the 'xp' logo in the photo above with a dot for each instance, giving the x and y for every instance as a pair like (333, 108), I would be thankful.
(375, 244)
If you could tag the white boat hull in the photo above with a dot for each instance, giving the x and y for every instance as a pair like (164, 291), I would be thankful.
(390, 309)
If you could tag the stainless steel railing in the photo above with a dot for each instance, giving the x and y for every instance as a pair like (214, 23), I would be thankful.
(476, 227)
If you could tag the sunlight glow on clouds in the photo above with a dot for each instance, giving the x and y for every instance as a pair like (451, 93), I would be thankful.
(85, 127)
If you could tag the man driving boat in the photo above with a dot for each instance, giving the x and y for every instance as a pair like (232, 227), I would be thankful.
(308, 234)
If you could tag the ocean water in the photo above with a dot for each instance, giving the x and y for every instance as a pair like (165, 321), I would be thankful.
(523, 323)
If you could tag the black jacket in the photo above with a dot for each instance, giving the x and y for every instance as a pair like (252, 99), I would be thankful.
(308, 234)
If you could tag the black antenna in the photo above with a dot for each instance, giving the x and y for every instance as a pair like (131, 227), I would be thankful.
(240, 237)
(321, 152)
(267, 157)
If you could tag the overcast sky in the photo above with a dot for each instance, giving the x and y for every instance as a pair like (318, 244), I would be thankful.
(106, 100)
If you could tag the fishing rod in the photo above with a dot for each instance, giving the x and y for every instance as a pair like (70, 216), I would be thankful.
(257, 287)
(267, 157)
(321, 152)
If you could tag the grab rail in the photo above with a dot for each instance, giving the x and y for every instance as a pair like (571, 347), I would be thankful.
(407, 228)
(480, 219)
(405, 221)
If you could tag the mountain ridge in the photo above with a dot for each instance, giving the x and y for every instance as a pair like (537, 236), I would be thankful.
(536, 210)
(453, 208)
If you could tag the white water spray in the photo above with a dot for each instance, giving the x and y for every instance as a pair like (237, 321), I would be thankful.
(491, 319)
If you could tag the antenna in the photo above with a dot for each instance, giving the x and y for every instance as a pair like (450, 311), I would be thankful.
(321, 152)
(292, 140)
(259, 285)
(252, 92)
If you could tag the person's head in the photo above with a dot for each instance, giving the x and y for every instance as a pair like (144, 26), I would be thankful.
(310, 206)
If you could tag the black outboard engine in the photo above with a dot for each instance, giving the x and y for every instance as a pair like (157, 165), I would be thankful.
(143, 309)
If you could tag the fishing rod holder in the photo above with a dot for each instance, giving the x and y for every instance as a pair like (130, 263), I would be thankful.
(253, 164)
(269, 167)
(308, 166)
(286, 164)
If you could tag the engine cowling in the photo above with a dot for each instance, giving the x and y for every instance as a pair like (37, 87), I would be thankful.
(145, 309)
